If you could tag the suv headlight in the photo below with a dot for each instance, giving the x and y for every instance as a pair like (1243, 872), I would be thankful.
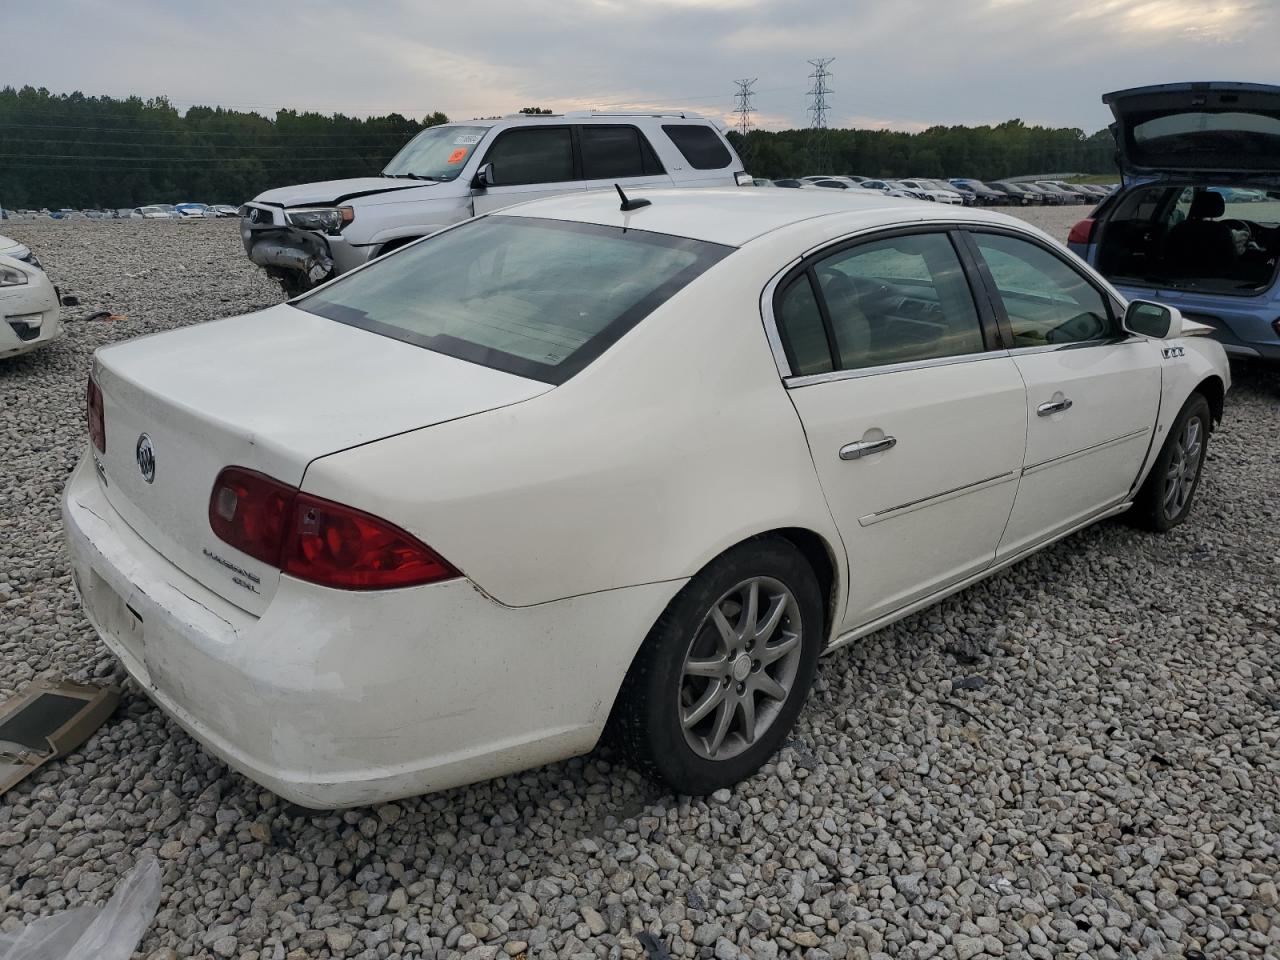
(323, 219)
(11, 277)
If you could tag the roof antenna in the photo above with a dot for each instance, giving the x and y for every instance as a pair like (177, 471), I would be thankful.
(629, 205)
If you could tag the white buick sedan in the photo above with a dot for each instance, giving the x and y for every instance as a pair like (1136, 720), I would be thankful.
(581, 465)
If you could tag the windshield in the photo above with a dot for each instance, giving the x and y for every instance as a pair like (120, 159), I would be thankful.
(537, 298)
(437, 153)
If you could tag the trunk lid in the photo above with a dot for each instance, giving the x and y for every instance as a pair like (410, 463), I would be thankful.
(269, 391)
(1211, 128)
(336, 191)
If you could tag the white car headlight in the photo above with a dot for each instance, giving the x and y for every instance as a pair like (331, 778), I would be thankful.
(11, 277)
(325, 219)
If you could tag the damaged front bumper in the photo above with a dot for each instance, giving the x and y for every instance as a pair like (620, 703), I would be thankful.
(305, 257)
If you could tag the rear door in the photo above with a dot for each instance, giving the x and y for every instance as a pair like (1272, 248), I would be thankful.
(529, 163)
(915, 417)
(1092, 392)
(1197, 128)
(618, 154)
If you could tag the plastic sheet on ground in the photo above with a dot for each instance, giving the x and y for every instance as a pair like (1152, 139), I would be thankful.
(111, 932)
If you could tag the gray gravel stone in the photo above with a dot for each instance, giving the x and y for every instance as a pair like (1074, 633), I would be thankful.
(1107, 790)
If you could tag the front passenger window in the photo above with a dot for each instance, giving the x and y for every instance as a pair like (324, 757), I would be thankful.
(532, 155)
(1047, 301)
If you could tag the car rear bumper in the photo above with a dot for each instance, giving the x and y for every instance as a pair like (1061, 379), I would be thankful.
(336, 698)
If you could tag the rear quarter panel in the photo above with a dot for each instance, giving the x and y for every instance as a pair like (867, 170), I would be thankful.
(677, 443)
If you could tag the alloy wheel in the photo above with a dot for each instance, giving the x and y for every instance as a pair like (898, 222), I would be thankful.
(740, 668)
(1184, 467)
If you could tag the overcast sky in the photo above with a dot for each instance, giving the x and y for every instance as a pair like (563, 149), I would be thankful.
(903, 64)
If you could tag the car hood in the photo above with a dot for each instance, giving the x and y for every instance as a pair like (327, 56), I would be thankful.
(336, 191)
(1209, 128)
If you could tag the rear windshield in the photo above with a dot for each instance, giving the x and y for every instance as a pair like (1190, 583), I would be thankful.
(537, 298)
(1224, 140)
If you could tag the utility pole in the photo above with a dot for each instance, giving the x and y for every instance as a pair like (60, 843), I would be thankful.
(818, 110)
(742, 106)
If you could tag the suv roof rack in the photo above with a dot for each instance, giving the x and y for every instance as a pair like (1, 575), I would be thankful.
(682, 114)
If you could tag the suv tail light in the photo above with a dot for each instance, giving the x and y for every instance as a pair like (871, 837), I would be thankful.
(1082, 232)
(318, 540)
(95, 415)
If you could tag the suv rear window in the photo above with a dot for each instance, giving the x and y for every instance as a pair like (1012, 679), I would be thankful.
(621, 151)
(536, 298)
(699, 144)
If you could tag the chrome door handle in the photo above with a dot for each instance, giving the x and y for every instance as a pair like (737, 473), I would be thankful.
(1052, 407)
(864, 448)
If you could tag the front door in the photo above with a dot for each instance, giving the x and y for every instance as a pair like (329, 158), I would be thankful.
(915, 419)
(1092, 392)
(528, 163)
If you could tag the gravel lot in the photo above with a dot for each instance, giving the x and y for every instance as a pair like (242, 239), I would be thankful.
(1101, 780)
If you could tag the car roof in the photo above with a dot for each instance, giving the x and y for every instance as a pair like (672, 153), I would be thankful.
(734, 216)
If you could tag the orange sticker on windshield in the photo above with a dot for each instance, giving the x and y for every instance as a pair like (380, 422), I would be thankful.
(457, 156)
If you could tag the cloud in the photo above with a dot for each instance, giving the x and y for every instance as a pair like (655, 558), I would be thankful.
(898, 65)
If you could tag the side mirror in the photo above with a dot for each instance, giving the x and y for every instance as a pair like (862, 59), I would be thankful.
(484, 177)
(1155, 320)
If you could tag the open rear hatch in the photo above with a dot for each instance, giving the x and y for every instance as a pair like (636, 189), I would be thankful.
(1193, 129)
(270, 392)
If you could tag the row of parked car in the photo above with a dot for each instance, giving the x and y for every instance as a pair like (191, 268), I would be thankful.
(153, 211)
(960, 190)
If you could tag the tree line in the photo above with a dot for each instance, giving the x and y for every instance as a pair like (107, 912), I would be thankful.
(983, 153)
(71, 150)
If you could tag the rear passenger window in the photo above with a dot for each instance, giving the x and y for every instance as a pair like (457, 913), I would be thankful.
(1047, 301)
(532, 155)
(801, 328)
(616, 152)
(899, 300)
(699, 144)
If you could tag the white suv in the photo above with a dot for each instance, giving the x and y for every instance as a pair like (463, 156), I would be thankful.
(307, 234)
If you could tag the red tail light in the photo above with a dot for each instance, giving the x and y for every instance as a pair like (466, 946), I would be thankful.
(1082, 232)
(342, 547)
(249, 510)
(318, 540)
(95, 415)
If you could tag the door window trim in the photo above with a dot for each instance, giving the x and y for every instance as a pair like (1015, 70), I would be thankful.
(992, 335)
(996, 301)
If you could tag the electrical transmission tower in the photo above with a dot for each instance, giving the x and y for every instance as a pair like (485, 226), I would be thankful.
(818, 110)
(742, 106)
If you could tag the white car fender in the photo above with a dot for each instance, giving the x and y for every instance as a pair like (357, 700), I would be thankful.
(1189, 362)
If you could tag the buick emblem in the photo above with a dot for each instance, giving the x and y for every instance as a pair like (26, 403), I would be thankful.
(146, 458)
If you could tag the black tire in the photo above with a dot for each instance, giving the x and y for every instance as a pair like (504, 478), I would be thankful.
(1154, 508)
(657, 692)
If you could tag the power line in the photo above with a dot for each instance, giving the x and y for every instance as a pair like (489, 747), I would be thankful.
(742, 100)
